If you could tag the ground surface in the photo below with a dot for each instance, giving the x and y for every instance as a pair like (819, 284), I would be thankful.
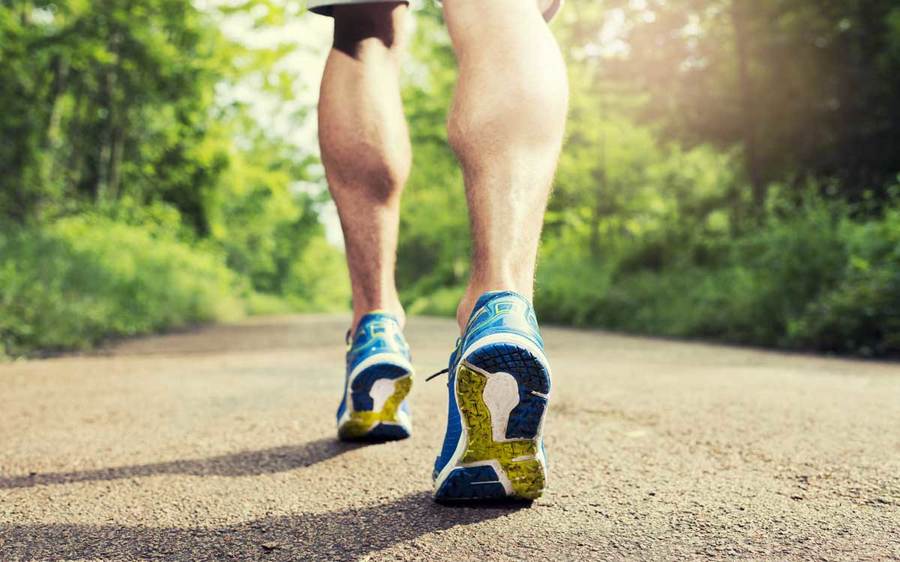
(218, 444)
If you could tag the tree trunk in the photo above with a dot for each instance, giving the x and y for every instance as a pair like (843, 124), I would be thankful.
(111, 151)
(75, 171)
(599, 177)
(739, 17)
(115, 161)
(60, 82)
(51, 142)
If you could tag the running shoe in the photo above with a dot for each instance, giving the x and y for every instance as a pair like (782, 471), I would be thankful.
(499, 386)
(379, 376)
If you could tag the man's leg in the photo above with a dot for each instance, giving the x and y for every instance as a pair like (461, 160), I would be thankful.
(506, 126)
(365, 149)
(365, 146)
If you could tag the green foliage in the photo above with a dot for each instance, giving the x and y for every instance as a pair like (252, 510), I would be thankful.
(815, 279)
(318, 279)
(256, 217)
(434, 241)
(136, 195)
(74, 282)
(799, 88)
(861, 313)
(105, 97)
(442, 301)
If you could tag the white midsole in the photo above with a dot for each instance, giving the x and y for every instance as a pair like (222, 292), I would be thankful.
(381, 358)
(462, 444)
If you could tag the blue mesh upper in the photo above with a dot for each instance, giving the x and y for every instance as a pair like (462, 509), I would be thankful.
(495, 312)
(377, 332)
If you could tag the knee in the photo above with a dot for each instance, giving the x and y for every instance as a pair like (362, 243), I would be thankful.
(361, 29)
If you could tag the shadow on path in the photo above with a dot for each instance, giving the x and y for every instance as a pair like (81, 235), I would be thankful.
(337, 535)
(246, 463)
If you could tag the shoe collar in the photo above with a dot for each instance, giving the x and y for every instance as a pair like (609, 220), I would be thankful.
(367, 318)
(482, 301)
(487, 297)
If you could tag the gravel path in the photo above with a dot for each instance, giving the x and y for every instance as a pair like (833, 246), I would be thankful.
(218, 444)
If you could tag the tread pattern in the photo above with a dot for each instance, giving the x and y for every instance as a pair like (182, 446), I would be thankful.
(517, 457)
(532, 376)
(362, 384)
(472, 483)
(366, 424)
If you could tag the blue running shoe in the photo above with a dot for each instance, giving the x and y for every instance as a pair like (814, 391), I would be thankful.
(379, 376)
(499, 383)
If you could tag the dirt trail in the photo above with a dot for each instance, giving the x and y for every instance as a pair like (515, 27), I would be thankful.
(218, 444)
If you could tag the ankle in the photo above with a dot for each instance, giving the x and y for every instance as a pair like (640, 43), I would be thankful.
(393, 308)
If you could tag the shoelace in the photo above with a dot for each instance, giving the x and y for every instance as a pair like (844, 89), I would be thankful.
(439, 373)
(447, 370)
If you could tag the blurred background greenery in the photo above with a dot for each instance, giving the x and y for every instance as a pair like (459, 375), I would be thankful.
(731, 172)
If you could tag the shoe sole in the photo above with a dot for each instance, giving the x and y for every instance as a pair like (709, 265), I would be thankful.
(387, 383)
(502, 390)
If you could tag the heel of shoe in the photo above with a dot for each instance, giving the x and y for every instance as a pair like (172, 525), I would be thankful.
(502, 392)
(376, 397)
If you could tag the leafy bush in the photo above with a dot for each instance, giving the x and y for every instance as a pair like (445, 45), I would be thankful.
(812, 278)
(440, 302)
(69, 284)
(318, 279)
(861, 313)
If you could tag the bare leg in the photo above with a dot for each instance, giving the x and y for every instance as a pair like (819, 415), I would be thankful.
(506, 126)
(365, 146)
